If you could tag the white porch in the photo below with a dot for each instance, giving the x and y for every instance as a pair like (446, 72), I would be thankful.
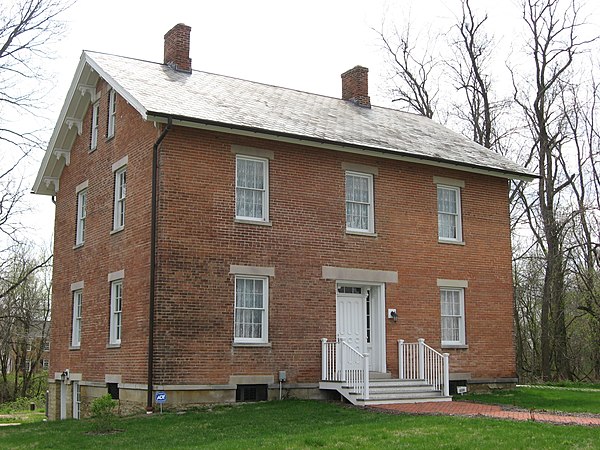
(423, 374)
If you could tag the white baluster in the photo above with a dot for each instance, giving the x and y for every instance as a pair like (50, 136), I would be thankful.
(446, 375)
(366, 376)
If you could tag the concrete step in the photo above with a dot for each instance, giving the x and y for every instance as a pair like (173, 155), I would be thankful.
(396, 382)
(380, 375)
(362, 402)
(402, 395)
(392, 389)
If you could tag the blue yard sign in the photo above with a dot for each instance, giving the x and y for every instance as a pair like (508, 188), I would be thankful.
(160, 397)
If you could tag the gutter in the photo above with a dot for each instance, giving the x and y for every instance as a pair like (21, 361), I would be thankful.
(527, 176)
(153, 227)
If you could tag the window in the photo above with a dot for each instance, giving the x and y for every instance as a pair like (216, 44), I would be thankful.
(359, 202)
(94, 131)
(252, 189)
(120, 194)
(251, 306)
(76, 400)
(76, 330)
(28, 365)
(29, 346)
(449, 220)
(81, 215)
(453, 316)
(112, 113)
(45, 364)
(116, 305)
(46, 345)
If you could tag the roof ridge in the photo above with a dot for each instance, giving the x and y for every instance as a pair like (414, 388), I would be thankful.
(287, 88)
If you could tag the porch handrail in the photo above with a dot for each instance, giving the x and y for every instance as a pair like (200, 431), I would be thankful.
(418, 361)
(336, 359)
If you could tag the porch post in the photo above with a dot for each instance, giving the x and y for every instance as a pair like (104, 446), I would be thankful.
(421, 358)
(366, 377)
(342, 362)
(446, 375)
(324, 359)
(401, 359)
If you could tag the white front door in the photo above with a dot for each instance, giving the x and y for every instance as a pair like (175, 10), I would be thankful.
(360, 322)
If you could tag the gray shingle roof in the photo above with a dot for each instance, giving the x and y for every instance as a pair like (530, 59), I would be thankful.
(207, 97)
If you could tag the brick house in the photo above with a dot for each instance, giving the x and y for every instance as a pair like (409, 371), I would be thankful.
(283, 236)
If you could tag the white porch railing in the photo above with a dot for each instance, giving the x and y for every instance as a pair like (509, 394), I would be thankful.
(418, 361)
(342, 362)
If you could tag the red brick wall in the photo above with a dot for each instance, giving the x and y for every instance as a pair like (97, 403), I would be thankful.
(198, 240)
(102, 251)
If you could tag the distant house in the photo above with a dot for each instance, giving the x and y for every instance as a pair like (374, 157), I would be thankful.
(282, 236)
(26, 350)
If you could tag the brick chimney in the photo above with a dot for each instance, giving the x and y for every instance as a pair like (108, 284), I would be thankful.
(355, 86)
(177, 48)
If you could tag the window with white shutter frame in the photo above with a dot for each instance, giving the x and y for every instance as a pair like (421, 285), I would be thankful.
(359, 203)
(252, 188)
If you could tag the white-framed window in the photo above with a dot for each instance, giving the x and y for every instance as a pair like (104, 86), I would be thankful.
(112, 113)
(76, 400)
(251, 309)
(81, 216)
(46, 345)
(452, 315)
(449, 213)
(116, 308)
(252, 188)
(45, 364)
(120, 195)
(94, 129)
(77, 310)
(359, 202)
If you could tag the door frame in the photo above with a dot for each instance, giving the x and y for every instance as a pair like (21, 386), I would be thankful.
(378, 323)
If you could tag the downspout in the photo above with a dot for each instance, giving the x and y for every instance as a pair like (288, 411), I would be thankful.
(153, 227)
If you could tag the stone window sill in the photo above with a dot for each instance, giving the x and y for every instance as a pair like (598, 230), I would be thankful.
(361, 233)
(442, 241)
(455, 347)
(252, 344)
(113, 345)
(254, 222)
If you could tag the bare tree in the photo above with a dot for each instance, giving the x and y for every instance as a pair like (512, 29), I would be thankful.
(553, 43)
(413, 71)
(28, 28)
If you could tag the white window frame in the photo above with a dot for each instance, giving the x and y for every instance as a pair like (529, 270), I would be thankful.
(77, 318)
(457, 215)
(120, 198)
(116, 312)
(370, 204)
(76, 399)
(81, 216)
(112, 114)
(461, 324)
(95, 125)
(265, 311)
(45, 364)
(265, 191)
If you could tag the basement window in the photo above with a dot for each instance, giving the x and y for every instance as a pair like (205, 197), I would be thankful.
(251, 393)
(113, 390)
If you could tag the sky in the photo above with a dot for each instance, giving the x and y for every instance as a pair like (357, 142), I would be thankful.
(303, 45)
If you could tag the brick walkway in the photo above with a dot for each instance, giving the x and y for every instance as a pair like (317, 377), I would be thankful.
(469, 409)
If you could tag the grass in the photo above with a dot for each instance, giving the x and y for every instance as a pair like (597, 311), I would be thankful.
(545, 398)
(299, 424)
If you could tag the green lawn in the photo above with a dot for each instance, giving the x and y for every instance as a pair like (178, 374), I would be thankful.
(546, 398)
(300, 424)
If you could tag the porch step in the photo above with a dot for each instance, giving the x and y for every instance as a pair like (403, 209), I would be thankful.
(386, 391)
(380, 375)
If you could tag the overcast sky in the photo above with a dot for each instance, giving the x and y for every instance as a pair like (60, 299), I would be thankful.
(304, 45)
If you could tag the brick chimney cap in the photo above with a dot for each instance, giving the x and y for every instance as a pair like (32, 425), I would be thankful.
(356, 69)
(179, 25)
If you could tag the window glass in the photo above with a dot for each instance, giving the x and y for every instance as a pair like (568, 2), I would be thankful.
(359, 202)
(250, 309)
(448, 199)
(251, 188)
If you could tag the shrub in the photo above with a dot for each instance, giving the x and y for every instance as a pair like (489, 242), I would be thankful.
(103, 413)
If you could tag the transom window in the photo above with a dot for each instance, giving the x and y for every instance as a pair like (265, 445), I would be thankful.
(77, 308)
(449, 220)
(453, 316)
(116, 306)
(120, 195)
(252, 188)
(112, 113)
(95, 121)
(81, 216)
(359, 202)
(251, 309)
